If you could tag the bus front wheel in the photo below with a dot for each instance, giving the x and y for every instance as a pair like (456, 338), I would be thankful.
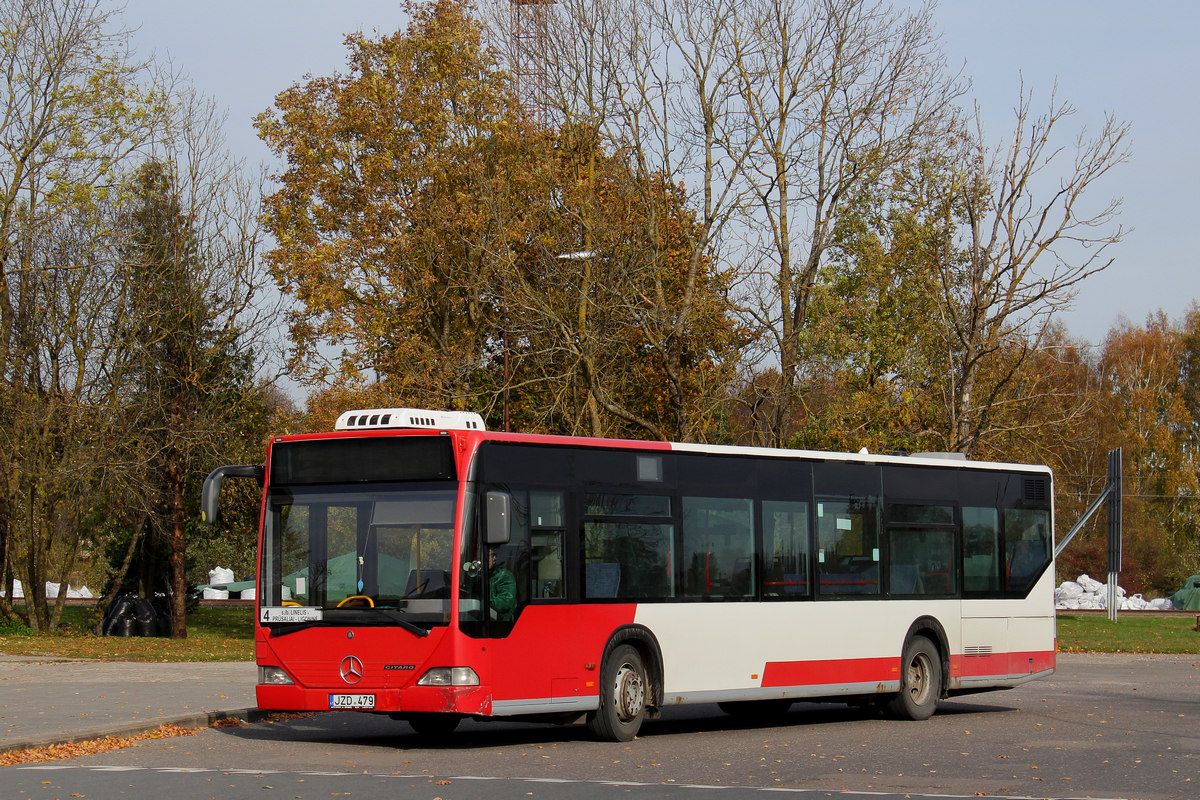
(920, 681)
(623, 692)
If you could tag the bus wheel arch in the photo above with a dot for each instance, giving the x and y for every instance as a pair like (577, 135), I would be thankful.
(630, 684)
(931, 629)
(924, 668)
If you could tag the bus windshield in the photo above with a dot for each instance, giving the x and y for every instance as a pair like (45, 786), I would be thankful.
(361, 550)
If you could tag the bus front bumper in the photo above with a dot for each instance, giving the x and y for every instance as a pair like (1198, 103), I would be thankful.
(472, 700)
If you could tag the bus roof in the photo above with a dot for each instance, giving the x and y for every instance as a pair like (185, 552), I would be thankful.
(382, 419)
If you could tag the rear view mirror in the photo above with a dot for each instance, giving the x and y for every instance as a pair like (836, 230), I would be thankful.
(210, 494)
(498, 518)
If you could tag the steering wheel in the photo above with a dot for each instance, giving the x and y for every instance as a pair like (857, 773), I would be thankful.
(357, 600)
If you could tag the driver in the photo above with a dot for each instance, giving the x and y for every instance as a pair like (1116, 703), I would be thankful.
(502, 589)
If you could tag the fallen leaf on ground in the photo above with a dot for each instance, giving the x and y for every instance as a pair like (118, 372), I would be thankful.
(90, 747)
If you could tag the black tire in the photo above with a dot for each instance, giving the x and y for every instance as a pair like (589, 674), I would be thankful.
(756, 709)
(624, 690)
(434, 725)
(920, 681)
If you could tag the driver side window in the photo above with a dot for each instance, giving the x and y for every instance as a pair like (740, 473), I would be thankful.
(546, 531)
(498, 582)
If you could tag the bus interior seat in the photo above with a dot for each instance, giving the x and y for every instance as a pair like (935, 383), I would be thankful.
(903, 579)
(795, 583)
(1025, 557)
(603, 579)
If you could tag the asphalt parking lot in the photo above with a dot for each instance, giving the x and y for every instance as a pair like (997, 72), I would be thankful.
(1104, 726)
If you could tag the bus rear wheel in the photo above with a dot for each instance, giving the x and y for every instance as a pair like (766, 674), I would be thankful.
(920, 681)
(623, 692)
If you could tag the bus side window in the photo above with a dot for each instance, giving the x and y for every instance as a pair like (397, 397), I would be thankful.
(718, 547)
(848, 542)
(628, 546)
(848, 532)
(546, 527)
(508, 568)
(785, 550)
(921, 558)
(628, 560)
(1027, 546)
(546, 571)
(981, 549)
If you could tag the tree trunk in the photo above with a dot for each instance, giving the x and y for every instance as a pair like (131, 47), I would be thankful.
(177, 558)
(73, 524)
(6, 570)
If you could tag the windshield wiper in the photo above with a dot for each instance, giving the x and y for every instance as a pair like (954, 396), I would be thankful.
(399, 619)
(284, 628)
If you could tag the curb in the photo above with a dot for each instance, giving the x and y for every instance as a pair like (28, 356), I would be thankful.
(198, 720)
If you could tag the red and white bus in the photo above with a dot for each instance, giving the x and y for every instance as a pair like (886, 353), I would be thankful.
(414, 564)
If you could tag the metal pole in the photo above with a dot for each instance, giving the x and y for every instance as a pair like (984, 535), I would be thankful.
(1114, 529)
(1092, 509)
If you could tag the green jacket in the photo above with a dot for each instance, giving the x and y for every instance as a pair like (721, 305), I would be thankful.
(503, 593)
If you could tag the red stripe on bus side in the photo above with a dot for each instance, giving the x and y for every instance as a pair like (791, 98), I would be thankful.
(972, 666)
(1021, 663)
(1043, 660)
(875, 670)
(818, 673)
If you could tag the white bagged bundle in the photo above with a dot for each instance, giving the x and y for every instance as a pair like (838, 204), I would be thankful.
(1088, 594)
(220, 575)
(249, 594)
(216, 594)
(1137, 603)
(1066, 601)
(1070, 590)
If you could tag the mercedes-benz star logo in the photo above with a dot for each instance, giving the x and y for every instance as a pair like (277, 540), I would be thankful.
(351, 670)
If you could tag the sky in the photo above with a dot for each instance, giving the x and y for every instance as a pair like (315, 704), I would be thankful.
(1137, 61)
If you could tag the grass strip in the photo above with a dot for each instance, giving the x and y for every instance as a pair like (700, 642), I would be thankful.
(1131, 633)
(214, 634)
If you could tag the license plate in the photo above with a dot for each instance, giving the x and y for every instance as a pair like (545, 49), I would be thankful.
(359, 701)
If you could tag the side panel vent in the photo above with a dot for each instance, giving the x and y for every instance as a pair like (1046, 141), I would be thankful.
(1036, 491)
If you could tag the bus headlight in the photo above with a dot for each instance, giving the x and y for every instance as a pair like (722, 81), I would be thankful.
(449, 676)
(273, 676)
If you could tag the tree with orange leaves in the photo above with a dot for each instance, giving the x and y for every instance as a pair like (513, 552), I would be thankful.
(378, 235)
(421, 223)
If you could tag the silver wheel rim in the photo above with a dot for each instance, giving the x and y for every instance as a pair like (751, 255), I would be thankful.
(629, 693)
(919, 670)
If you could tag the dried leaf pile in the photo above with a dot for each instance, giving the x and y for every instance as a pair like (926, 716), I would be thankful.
(91, 747)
